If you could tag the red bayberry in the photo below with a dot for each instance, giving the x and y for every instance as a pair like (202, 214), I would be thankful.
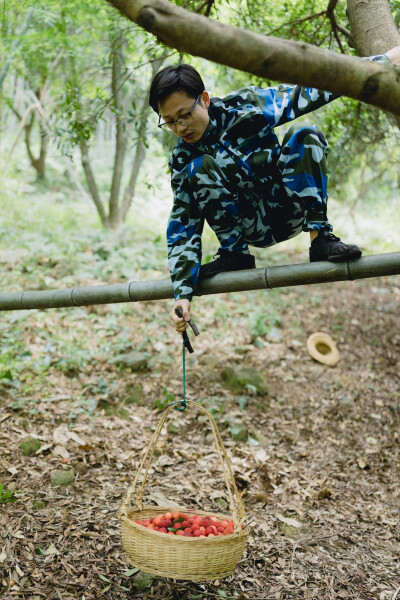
(228, 530)
(225, 523)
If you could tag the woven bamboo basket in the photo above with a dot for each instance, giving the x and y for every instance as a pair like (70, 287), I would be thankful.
(179, 557)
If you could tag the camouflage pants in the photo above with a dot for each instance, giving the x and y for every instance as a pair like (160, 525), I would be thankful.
(295, 200)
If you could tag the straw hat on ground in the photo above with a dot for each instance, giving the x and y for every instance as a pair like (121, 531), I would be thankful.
(322, 348)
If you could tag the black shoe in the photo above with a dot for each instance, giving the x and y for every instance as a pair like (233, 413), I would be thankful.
(227, 261)
(329, 247)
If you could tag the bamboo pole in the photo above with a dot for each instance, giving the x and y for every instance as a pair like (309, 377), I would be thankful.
(254, 279)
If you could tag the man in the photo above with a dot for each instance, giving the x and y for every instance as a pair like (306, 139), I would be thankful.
(229, 168)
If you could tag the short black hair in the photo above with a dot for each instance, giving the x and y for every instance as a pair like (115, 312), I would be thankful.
(180, 78)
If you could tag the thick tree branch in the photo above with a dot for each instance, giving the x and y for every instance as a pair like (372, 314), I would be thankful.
(271, 58)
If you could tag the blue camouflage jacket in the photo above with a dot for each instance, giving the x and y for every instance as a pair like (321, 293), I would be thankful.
(240, 136)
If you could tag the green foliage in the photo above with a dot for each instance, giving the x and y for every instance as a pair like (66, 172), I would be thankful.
(74, 62)
(7, 495)
(167, 398)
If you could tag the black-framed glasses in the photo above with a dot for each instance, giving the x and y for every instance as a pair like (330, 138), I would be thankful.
(184, 120)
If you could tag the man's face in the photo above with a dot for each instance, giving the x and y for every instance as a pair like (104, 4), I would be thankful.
(178, 104)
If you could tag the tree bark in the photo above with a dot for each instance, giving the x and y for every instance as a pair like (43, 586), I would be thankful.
(373, 29)
(93, 189)
(39, 164)
(140, 148)
(120, 137)
(267, 57)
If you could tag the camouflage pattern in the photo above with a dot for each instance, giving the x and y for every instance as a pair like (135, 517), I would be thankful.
(251, 189)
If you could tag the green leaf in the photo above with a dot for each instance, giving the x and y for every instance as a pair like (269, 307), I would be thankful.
(103, 578)
(39, 551)
(222, 593)
(6, 375)
(130, 572)
(180, 520)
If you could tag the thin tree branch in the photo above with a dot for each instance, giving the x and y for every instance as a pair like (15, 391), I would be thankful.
(345, 31)
(298, 21)
(330, 13)
(207, 4)
(15, 44)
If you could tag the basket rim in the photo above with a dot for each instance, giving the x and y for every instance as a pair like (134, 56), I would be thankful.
(124, 519)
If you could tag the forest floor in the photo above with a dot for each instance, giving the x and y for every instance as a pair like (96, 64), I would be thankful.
(318, 474)
(319, 470)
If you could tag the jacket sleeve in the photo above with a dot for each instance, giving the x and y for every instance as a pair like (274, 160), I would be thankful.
(283, 103)
(184, 230)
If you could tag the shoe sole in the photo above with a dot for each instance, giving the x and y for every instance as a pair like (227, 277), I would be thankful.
(213, 273)
(344, 257)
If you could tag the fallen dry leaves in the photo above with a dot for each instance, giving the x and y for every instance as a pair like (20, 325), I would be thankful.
(320, 487)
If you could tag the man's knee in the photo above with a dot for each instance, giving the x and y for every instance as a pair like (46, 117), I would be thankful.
(300, 134)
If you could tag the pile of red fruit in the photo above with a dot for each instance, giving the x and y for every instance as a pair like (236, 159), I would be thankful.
(178, 523)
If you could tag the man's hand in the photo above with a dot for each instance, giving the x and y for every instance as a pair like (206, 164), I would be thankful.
(394, 55)
(180, 324)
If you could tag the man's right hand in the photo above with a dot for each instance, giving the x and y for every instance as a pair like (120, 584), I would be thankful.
(394, 55)
(180, 324)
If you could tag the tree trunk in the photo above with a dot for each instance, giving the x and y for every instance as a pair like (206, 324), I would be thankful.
(267, 57)
(373, 29)
(140, 154)
(140, 147)
(120, 137)
(39, 164)
(93, 189)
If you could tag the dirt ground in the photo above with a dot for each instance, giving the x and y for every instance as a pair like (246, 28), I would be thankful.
(319, 472)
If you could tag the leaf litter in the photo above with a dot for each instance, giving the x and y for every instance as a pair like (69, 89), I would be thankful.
(319, 480)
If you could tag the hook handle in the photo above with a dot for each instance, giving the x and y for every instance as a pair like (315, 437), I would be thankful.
(185, 336)
(191, 323)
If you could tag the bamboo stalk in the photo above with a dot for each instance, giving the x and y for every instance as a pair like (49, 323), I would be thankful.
(255, 279)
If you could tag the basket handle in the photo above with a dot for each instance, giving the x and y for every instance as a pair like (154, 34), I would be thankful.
(235, 500)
